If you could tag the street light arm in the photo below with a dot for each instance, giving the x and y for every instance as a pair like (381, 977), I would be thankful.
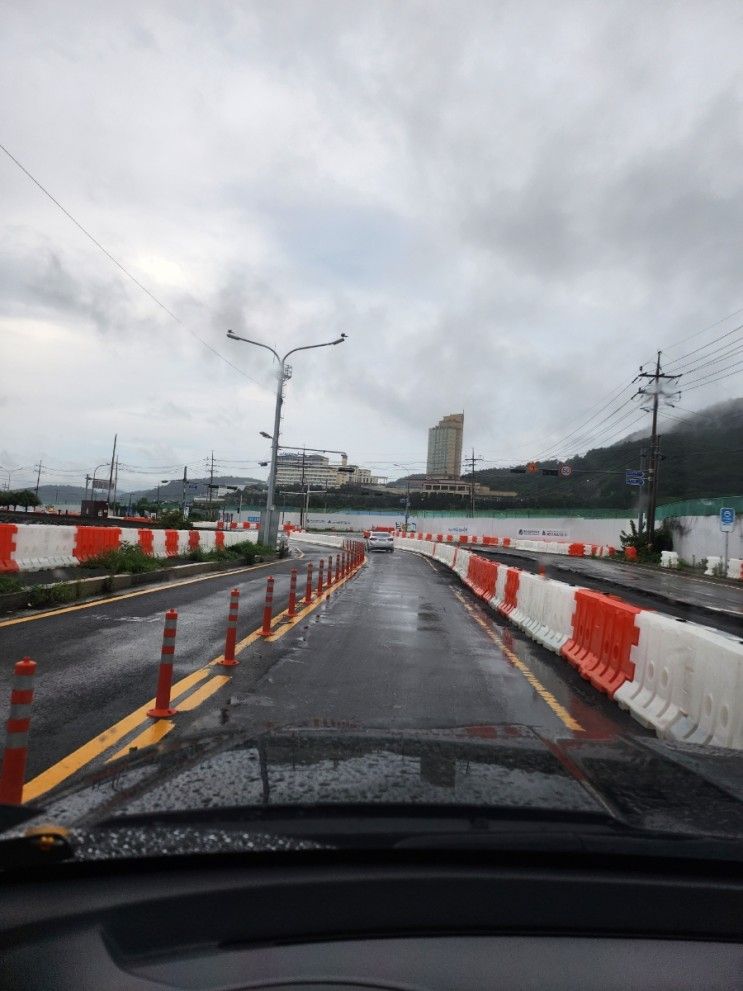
(309, 347)
(236, 337)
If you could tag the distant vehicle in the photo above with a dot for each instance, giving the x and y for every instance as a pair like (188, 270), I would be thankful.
(380, 540)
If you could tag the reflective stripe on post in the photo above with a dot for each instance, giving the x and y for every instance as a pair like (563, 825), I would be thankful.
(320, 578)
(308, 589)
(229, 644)
(17, 729)
(162, 707)
(267, 609)
(292, 594)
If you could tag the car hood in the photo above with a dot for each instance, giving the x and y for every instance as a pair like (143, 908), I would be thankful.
(511, 769)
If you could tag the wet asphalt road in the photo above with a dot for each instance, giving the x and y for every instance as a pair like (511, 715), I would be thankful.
(99, 663)
(405, 645)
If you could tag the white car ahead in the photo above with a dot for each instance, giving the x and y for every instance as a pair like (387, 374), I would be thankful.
(378, 540)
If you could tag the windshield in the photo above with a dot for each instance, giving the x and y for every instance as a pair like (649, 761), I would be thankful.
(486, 255)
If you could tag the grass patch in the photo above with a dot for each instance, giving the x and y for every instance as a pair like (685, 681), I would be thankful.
(243, 553)
(53, 595)
(8, 584)
(130, 559)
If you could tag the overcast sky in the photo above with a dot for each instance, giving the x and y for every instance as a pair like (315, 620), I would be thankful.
(506, 206)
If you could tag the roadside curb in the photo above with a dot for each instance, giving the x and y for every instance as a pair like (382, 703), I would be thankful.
(87, 588)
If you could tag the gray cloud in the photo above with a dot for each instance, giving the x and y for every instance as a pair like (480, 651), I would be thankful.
(507, 207)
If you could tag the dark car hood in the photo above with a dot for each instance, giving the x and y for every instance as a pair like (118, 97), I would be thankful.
(641, 782)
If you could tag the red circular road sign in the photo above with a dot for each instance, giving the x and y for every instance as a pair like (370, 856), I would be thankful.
(566, 471)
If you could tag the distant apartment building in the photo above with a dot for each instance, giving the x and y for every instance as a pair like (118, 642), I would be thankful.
(445, 447)
(317, 471)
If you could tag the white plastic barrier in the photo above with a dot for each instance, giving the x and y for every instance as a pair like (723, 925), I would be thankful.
(735, 568)
(462, 563)
(319, 539)
(559, 608)
(688, 682)
(529, 602)
(669, 559)
(713, 566)
(40, 547)
(500, 587)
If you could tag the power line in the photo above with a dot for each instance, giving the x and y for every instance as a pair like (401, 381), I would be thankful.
(705, 347)
(560, 443)
(699, 383)
(123, 269)
(697, 333)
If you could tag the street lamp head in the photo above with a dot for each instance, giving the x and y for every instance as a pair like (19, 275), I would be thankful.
(264, 434)
(341, 339)
(231, 334)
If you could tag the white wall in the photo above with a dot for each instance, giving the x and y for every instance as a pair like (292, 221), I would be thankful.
(556, 528)
(702, 538)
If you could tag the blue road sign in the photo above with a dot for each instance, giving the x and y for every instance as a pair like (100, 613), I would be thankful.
(727, 519)
(634, 477)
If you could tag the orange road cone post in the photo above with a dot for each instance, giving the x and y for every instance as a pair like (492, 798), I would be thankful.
(292, 611)
(231, 638)
(17, 729)
(268, 609)
(308, 589)
(162, 707)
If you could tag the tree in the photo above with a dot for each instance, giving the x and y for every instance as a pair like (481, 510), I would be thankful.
(19, 497)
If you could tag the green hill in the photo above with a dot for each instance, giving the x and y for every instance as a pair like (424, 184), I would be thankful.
(702, 458)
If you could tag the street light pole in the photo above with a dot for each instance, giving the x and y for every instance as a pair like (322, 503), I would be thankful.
(269, 531)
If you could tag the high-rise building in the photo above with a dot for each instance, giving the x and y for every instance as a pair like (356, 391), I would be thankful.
(445, 447)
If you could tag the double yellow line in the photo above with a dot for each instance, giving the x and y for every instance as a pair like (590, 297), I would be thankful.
(154, 731)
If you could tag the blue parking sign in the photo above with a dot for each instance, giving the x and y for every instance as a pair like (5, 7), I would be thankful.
(727, 519)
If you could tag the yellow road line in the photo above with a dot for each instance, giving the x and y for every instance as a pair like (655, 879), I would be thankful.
(132, 595)
(560, 711)
(307, 610)
(153, 734)
(62, 770)
(156, 732)
(195, 699)
(73, 762)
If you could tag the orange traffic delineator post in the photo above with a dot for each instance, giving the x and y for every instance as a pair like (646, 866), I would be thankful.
(337, 568)
(162, 707)
(320, 578)
(267, 609)
(17, 729)
(330, 572)
(292, 611)
(345, 558)
(229, 644)
(308, 589)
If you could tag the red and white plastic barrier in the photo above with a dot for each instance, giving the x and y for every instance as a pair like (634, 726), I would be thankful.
(681, 679)
(563, 547)
(31, 547)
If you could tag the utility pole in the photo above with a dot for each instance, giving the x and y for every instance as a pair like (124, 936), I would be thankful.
(183, 490)
(653, 467)
(301, 505)
(640, 491)
(38, 477)
(211, 483)
(472, 459)
(116, 482)
(407, 504)
(111, 473)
